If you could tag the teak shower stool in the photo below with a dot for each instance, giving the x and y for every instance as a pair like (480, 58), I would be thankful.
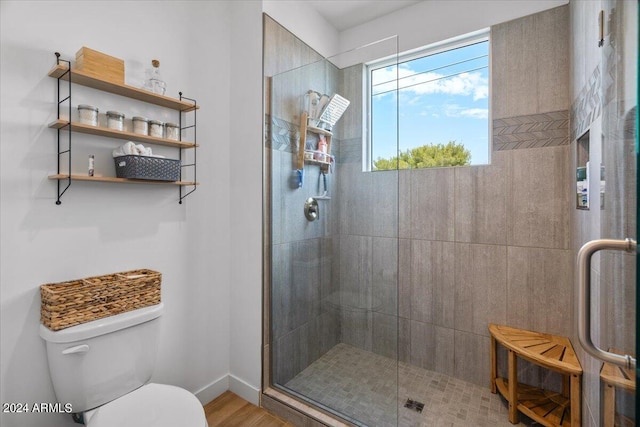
(550, 352)
(615, 377)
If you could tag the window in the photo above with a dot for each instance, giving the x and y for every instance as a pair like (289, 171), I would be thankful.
(441, 106)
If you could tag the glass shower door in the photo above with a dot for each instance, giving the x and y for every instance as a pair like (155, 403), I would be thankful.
(607, 325)
(334, 236)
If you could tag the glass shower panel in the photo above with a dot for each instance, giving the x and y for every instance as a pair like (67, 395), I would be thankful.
(618, 217)
(334, 238)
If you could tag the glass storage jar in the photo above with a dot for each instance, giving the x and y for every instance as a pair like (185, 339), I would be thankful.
(171, 131)
(155, 128)
(115, 120)
(88, 114)
(140, 125)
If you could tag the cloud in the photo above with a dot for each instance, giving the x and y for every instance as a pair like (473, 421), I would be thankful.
(466, 84)
(454, 110)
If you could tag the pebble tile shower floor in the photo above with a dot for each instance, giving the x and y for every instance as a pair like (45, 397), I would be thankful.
(362, 385)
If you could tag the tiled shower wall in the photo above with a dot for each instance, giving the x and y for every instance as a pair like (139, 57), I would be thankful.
(476, 244)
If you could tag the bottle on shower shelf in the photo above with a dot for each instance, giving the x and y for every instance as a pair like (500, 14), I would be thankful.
(321, 155)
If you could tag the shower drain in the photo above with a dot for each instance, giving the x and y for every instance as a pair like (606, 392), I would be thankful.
(414, 405)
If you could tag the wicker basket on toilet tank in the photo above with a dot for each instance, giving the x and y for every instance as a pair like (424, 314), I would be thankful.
(79, 301)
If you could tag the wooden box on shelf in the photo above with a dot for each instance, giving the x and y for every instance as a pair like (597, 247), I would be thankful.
(98, 64)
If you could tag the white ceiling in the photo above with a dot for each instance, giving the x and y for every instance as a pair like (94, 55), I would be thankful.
(344, 14)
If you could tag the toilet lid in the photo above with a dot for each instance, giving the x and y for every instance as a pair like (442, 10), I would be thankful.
(153, 405)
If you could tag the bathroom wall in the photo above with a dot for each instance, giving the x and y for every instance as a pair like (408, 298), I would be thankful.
(477, 244)
(101, 228)
(245, 201)
(303, 273)
(603, 102)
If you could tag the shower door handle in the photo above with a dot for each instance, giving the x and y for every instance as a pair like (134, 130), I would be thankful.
(584, 298)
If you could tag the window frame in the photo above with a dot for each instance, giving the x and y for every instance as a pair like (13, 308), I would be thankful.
(428, 50)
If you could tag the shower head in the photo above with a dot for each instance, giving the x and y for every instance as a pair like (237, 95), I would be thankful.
(334, 109)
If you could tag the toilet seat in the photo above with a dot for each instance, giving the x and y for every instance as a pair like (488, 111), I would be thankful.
(152, 405)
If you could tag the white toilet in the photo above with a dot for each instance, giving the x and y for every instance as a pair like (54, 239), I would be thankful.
(102, 369)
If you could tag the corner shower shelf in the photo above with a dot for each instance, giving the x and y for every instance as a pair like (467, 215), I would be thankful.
(551, 352)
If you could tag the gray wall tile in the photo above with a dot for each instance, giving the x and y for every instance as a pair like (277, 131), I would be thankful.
(404, 278)
(540, 288)
(357, 328)
(384, 277)
(404, 340)
(355, 265)
(404, 203)
(480, 210)
(471, 358)
(355, 199)
(480, 287)
(538, 197)
(384, 198)
(552, 66)
(385, 335)
(351, 87)
(432, 282)
(432, 204)
(529, 64)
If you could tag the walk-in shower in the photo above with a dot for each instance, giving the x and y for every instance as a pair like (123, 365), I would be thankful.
(380, 284)
(337, 340)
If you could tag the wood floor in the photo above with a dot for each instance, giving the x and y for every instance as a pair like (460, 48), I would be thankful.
(229, 409)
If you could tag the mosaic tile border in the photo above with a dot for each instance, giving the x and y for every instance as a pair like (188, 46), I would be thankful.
(531, 131)
(281, 135)
(588, 106)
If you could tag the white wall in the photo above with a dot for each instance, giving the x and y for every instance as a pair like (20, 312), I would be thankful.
(306, 23)
(432, 21)
(246, 121)
(102, 228)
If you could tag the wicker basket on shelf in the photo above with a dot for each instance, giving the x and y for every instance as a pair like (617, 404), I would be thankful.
(79, 301)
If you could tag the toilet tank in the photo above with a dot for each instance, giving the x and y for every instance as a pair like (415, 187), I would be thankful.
(96, 362)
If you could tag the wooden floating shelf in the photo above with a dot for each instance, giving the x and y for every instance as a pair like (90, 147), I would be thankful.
(546, 407)
(111, 133)
(88, 80)
(118, 180)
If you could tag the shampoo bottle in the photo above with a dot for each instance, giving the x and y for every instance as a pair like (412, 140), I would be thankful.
(322, 149)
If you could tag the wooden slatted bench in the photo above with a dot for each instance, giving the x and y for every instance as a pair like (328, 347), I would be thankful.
(552, 352)
(614, 377)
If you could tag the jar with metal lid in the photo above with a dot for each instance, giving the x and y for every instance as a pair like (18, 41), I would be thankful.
(155, 128)
(115, 120)
(171, 131)
(140, 125)
(88, 114)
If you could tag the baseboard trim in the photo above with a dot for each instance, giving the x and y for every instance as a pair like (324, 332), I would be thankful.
(244, 390)
(213, 390)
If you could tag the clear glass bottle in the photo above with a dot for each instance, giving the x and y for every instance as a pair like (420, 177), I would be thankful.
(154, 82)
